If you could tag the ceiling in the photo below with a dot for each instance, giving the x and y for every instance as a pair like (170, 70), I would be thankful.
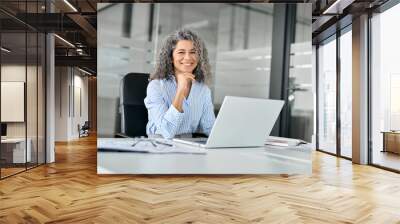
(74, 22)
(331, 15)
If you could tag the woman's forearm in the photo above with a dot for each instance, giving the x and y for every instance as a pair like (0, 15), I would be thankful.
(178, 100)
(184, 83)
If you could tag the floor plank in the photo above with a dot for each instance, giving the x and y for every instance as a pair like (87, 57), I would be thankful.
(386, 159)
(70, 191)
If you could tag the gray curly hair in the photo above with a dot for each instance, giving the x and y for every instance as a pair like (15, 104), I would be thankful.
(164, 66)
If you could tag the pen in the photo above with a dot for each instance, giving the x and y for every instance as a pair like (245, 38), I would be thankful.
(163, 143)
(134, 144)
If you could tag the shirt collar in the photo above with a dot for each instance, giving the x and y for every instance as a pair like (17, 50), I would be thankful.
(172, 79)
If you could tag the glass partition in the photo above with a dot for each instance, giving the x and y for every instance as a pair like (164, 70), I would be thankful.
(346, 93)
(327, 96)
(13, 94)
(31, 97)
(22, 89)
(301, 97)
(41, 97)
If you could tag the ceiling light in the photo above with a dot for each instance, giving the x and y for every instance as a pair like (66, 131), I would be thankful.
(84, 71)
(64, 40)
(331, 7)
(79, 51)
(337, 7)
(5, 50)
(70, 5)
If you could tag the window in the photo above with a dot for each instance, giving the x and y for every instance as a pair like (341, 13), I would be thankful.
(346, 93)
(327, 96)
(385, 89)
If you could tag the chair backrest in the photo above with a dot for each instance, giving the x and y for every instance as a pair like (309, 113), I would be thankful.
(134, 116)
(86, 125)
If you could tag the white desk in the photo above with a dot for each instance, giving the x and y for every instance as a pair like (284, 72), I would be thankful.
(18, 150)
(268, 160)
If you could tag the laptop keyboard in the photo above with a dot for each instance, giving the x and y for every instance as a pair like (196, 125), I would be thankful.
(200, 141)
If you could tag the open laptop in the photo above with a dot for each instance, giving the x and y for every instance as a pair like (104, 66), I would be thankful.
(241, 122)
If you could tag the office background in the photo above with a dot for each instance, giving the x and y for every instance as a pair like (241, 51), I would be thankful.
(25, 43)
(37, 106)
(369, 43)
(256, 50)
(344, 191)
(22, 107)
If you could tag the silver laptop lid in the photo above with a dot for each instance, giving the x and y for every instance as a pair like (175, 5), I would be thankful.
(244, 122)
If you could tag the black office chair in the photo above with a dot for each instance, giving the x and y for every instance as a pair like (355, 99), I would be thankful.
(134, 116)
(84, 129)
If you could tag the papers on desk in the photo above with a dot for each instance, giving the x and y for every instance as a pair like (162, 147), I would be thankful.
(284, 142)
(148, 146)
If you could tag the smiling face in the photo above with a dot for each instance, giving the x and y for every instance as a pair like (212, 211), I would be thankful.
(184, 57)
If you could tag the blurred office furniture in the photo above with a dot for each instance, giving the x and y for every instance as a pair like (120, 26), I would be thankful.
(134, 116)
(84, 129)
(13, 151)
(391, 141)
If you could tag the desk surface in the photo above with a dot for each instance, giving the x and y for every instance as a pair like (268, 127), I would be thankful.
(13, 140)
(268, 160)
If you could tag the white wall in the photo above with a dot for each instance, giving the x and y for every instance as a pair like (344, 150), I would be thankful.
(61, 103)
(80, 109)
(71, 87)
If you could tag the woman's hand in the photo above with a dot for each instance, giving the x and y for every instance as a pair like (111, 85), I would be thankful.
(184, 82)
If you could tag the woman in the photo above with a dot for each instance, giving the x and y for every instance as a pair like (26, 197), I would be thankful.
(178, 100)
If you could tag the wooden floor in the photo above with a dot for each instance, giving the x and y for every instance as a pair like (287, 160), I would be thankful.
(10, 171)
(70, 191)
(387, 159)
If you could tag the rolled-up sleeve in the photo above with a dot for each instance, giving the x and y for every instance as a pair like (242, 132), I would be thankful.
(208, 117)
(163, 120)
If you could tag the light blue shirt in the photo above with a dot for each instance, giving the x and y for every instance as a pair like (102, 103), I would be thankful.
(164, 119)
